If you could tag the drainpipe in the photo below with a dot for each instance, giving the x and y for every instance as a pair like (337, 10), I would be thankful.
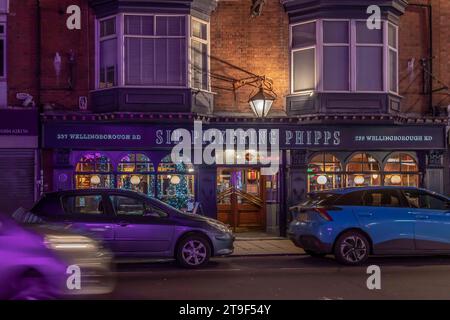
(430, 58)
(38, 54)
(39, 154)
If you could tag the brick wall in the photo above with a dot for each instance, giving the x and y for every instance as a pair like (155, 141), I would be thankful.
(23, 52)
(414, 44)
(258, 45)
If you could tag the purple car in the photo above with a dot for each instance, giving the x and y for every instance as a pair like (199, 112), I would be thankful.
(35, 259)
(28, 269)
(132, 224)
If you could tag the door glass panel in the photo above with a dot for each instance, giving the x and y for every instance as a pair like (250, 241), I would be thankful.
(382, 198)
(247, 181)
(88, 204)
(223, 186)
(424, 200)
(128, 206)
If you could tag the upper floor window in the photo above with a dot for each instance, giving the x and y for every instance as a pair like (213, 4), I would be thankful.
(339, 55)
(199, 54)
(153, 51)
(107, 53)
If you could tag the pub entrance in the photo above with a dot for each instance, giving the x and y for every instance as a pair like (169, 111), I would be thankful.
(241, 198)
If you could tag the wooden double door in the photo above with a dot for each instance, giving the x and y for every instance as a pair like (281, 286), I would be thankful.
(241, 198)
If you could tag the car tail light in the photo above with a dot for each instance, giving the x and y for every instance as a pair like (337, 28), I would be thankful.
(323, 213)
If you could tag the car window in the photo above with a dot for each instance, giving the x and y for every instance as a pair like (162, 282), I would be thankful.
(132, 206)
(351, 199)
(382, 198)
(424, 200)
(84, 204)
(320, 199)
(48, 206)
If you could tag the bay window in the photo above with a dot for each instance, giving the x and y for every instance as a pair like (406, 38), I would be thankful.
(108, 53)
(369, 58)
(199, 55)
(155, 50)
(343, 55)
(303, 38)
(393, 57)
(336, 55)
(142, 50)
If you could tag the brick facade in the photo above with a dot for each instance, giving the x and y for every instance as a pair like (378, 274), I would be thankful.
(258, 45)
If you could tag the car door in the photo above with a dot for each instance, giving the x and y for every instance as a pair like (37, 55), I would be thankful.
(432, 220)
(385, 217)
(88, 213)
(141, 227)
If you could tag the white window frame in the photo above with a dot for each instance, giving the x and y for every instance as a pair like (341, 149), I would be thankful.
(352, 57)
(384, 66)
(120, 34)
(98, 40)
(317, 56)
(389, 48)
(208, 44)
(322, 44)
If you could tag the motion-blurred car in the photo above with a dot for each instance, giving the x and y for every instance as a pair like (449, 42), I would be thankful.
(134, 225)
(34, 262)
(353, 223)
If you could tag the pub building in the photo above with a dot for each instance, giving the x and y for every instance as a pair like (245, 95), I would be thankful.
(336, 104)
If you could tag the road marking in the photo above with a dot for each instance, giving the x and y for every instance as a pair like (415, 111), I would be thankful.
(218, 270)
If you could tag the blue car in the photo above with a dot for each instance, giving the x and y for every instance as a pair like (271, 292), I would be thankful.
(353, 223)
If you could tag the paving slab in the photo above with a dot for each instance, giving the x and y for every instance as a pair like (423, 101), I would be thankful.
(262, 247)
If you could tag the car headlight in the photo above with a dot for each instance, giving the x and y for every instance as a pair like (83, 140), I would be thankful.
(219, 226)
(72, 242)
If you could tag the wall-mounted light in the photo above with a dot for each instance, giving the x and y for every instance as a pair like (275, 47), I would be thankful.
(261, 103)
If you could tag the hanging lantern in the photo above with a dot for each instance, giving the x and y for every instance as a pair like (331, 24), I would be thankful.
(135, 180)
(261, 103)
(252, 175)
(359, 180)
(396, 179)
(322, 180)
(95, 180)
(175, 180)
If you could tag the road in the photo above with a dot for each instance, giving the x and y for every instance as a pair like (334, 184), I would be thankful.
(285, 277)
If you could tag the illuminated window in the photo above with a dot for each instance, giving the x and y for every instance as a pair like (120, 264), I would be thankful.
(136, 172)
(363, 170)
(324, 172)
(175, 183)
(94, 170)
(401, 170)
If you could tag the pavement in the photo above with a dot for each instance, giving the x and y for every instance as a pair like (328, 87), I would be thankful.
(265, 247)
(285, 277)
(263, 244)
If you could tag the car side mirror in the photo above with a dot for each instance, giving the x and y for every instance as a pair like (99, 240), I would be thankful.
(447, 205)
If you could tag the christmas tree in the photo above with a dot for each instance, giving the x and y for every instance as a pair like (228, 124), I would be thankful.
(179, 191)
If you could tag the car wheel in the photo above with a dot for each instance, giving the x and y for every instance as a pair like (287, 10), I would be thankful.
(315, 254)
(31, 286)
(193, 251)
(352, 248)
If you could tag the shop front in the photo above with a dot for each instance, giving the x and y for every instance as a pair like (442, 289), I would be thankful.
(136, 156)
(19, 159)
